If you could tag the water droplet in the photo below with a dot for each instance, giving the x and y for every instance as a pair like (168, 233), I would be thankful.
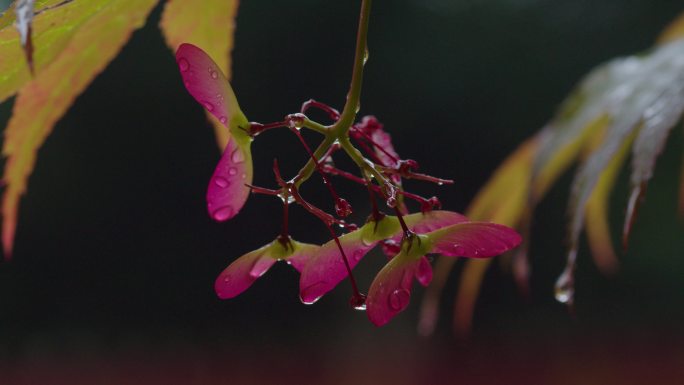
(221, 182)
(232, 171)
(183, 64)
(565, 287)
(459, 251)
(227, 278)
(213, 74)
(399, 299)
(440, 183)
(358, 302)
(223, 213)
(289, 199)
(237, 156)
(208, 106)
(366, 55)
(244, 176)
(223, 120)
(342, 208)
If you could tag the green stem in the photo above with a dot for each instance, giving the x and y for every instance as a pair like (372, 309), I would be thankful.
(339, 130)
(353, 97)
(314, 126)
(361, 162)
(310, 166)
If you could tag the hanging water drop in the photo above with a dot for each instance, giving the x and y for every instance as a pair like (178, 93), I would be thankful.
(366, 55)
(358, 302)
(564, 290)
(208, 106)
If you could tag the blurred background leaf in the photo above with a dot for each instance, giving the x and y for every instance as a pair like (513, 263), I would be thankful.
(628, 103)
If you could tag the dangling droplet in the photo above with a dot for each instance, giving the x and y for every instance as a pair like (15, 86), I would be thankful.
(183, 64)
(223, 120)
(399, 299)
(232, 171)
(366, 55)
(213, 74)
(358, 302)
(208, 106)
(221, 182)
(565, 287)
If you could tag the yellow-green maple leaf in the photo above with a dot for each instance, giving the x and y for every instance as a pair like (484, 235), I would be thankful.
(74, 41)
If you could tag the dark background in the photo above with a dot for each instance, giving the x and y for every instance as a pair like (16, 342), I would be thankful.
(115, 258)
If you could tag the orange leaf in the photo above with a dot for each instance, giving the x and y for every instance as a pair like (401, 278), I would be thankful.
(210, 27)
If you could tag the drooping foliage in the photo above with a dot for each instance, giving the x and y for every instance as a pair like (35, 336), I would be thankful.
(624, 108)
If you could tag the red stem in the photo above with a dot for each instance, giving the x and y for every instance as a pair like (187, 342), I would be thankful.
(332, 113)
(355, 288)
(318, 166)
